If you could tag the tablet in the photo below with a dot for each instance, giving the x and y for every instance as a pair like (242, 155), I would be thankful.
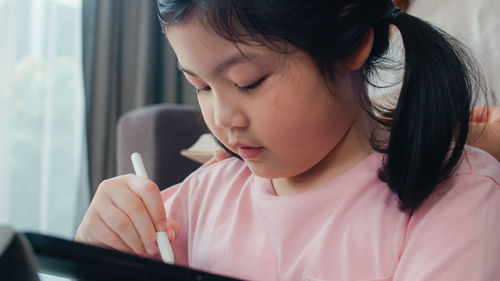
(70, 259)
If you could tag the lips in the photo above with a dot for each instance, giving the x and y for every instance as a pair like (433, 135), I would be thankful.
(248, 152)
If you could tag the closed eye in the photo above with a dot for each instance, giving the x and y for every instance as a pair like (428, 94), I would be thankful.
(251, 86)
(202, 90)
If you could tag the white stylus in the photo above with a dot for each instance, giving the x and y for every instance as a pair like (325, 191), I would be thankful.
(161, 237)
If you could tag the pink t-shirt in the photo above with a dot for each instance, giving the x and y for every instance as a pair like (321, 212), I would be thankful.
(349, 228)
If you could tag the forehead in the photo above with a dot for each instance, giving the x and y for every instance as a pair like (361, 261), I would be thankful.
(192, 38)
(201, 49)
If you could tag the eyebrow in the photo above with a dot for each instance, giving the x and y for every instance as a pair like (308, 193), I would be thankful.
(224, 65)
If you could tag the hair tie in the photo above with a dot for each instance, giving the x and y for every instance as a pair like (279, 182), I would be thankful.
(393, 14)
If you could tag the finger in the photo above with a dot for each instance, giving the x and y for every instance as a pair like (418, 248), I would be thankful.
(494, 114)
(116, 220)
(100, 235)
(173, 230)
(134, 207)
(109, 239)
(220, 155)
(480, 114)
(150, 195)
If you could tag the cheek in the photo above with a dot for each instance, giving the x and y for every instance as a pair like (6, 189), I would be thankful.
(207, 112)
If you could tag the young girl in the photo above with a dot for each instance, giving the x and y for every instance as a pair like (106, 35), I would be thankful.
(323, 189)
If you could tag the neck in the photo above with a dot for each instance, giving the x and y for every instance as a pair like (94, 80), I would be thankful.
(352, 149)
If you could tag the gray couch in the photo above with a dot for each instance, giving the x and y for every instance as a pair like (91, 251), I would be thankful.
(158, 133)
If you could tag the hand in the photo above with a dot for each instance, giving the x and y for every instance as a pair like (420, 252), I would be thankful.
(125, 214)
(486, 114)
(484, 130)
(219, 155)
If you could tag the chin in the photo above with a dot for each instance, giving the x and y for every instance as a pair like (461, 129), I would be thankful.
(267, 172)
(261, 171)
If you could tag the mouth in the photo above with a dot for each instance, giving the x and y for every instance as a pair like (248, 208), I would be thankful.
(248, 152)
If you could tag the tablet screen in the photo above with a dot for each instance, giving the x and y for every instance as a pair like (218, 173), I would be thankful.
(80, 261)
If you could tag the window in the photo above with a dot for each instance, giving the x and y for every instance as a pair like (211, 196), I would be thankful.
(42, 158)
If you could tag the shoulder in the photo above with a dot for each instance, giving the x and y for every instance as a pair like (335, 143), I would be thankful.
(472, 190)
(477, 163)
(458, 226)
(213, 178)
(227, 170)
(475, 179)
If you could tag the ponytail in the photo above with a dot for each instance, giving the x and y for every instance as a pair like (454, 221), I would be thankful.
(430, 122)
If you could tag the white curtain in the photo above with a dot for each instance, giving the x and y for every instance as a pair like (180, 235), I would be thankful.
(42, 157)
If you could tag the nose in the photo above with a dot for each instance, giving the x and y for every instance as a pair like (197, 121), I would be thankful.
(229, 111)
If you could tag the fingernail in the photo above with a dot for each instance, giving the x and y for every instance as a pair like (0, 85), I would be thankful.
(152, 249)
(171, 234)
(162, 225)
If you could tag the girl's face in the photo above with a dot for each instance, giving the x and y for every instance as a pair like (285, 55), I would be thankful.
(272, 109)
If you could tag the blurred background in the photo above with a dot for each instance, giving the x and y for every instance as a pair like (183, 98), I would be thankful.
(68, 70)
(42, 143)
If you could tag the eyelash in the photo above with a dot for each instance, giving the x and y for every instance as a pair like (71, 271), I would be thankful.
(199, 91)
(252, 86)
(244, 89)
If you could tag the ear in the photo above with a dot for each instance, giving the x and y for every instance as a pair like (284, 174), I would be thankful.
(359, 57)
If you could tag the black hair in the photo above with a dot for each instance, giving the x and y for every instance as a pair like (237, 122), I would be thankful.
(428, 126)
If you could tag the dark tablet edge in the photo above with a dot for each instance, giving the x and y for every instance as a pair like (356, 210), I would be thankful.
(72, 259)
